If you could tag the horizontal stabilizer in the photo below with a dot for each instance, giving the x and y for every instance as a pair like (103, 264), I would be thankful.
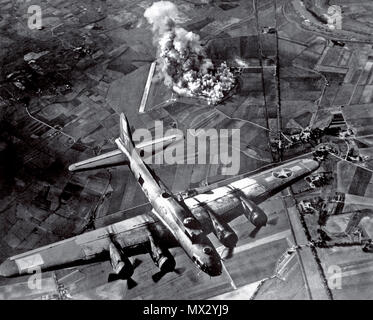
(119, 157)
(146, 149)
(106, 160)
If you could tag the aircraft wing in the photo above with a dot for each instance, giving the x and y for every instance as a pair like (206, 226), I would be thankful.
(256, 188)
(131, 234)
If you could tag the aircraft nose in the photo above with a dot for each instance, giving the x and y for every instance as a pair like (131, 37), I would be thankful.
(8, 268)
(215, 269)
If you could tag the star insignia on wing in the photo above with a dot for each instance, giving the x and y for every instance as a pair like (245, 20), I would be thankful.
(283, 174)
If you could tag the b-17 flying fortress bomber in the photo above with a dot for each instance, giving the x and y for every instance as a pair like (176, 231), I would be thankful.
(186, 149)
(187, 221)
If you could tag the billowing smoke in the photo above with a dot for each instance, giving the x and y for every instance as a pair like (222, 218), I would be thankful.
(183, 62)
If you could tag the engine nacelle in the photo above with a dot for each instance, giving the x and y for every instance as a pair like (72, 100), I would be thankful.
(162, 257)
(223, 232)
(253, 213)
(120, 263)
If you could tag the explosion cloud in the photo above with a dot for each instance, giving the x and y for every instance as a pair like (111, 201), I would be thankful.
(183, 62)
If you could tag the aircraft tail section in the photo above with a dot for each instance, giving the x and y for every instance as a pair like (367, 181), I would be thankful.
(126, 143)
(117, 157)
(121, 156)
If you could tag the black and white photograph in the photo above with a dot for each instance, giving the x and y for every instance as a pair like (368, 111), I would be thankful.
(186, 150)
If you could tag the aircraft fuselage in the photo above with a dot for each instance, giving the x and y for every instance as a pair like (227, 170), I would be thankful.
(177, 219)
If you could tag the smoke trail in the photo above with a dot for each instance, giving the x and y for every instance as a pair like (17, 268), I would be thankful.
(183, 62)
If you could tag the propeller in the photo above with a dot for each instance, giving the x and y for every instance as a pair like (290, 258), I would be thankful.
(227, 253)
(123, 276)
(254, 232)
(136, 263)
(158, 276)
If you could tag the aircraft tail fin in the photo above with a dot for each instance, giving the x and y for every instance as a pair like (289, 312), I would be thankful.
(125, 134)
(122, 155)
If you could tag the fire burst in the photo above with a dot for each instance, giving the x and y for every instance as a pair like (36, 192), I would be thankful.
(183, 62)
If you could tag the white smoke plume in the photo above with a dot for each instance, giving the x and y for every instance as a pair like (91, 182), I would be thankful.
(183, 62)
